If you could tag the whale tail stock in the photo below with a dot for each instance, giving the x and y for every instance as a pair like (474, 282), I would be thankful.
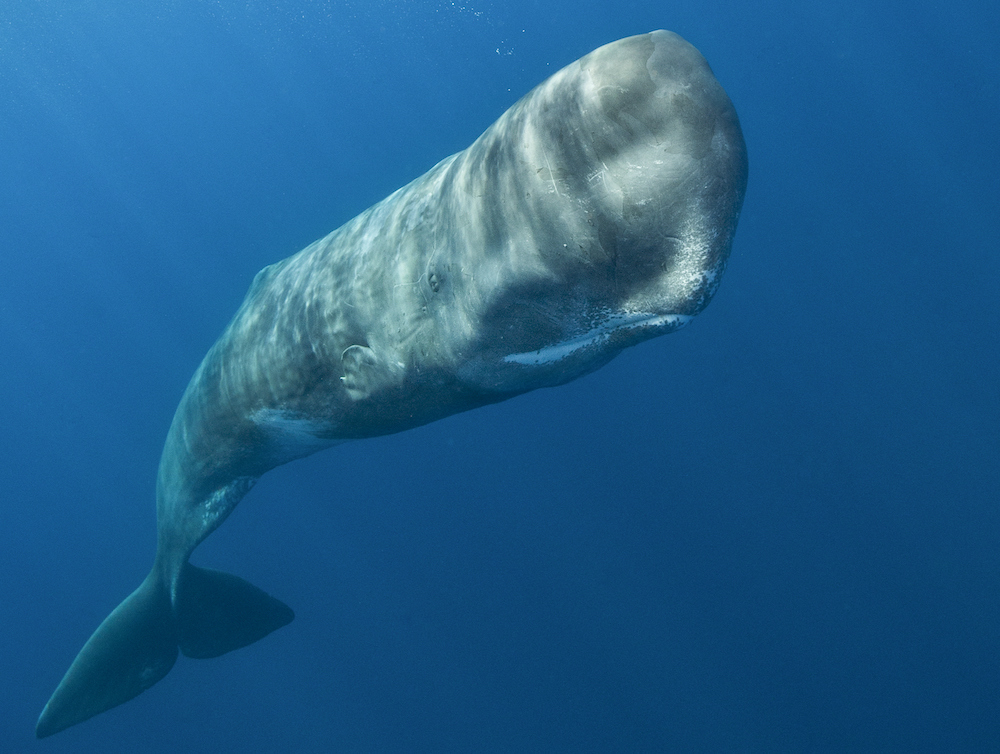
(137, 644)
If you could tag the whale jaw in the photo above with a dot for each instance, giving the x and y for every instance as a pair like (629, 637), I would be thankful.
(639, 326)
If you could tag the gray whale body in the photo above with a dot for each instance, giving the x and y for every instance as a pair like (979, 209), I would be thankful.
(598, 212)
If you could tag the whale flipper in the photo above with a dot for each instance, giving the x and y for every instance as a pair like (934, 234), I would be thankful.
(137, 644)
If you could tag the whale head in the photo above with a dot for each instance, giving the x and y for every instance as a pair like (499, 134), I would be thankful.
(621, 195)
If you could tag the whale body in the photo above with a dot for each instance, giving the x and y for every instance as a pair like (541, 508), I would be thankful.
(598, 212)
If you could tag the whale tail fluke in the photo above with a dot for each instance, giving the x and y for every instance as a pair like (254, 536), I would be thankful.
(131, 650)
(137, 644)
(217, 612)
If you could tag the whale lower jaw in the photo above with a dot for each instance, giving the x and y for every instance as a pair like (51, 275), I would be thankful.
(639, 326)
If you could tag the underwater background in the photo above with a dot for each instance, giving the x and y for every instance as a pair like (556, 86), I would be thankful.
(777, 530)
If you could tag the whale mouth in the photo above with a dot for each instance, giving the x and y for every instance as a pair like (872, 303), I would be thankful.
(639, 325)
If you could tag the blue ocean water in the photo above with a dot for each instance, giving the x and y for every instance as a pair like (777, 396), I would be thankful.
(777, 530)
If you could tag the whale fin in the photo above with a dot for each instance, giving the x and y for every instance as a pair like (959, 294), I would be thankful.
(217, 612)
(137, 644)
(131, 650)
(359, 371)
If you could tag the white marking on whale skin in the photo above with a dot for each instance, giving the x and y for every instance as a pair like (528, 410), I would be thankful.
(614, 324)
(220, 503)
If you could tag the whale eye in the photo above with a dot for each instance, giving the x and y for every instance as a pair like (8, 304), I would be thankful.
(434, 282)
